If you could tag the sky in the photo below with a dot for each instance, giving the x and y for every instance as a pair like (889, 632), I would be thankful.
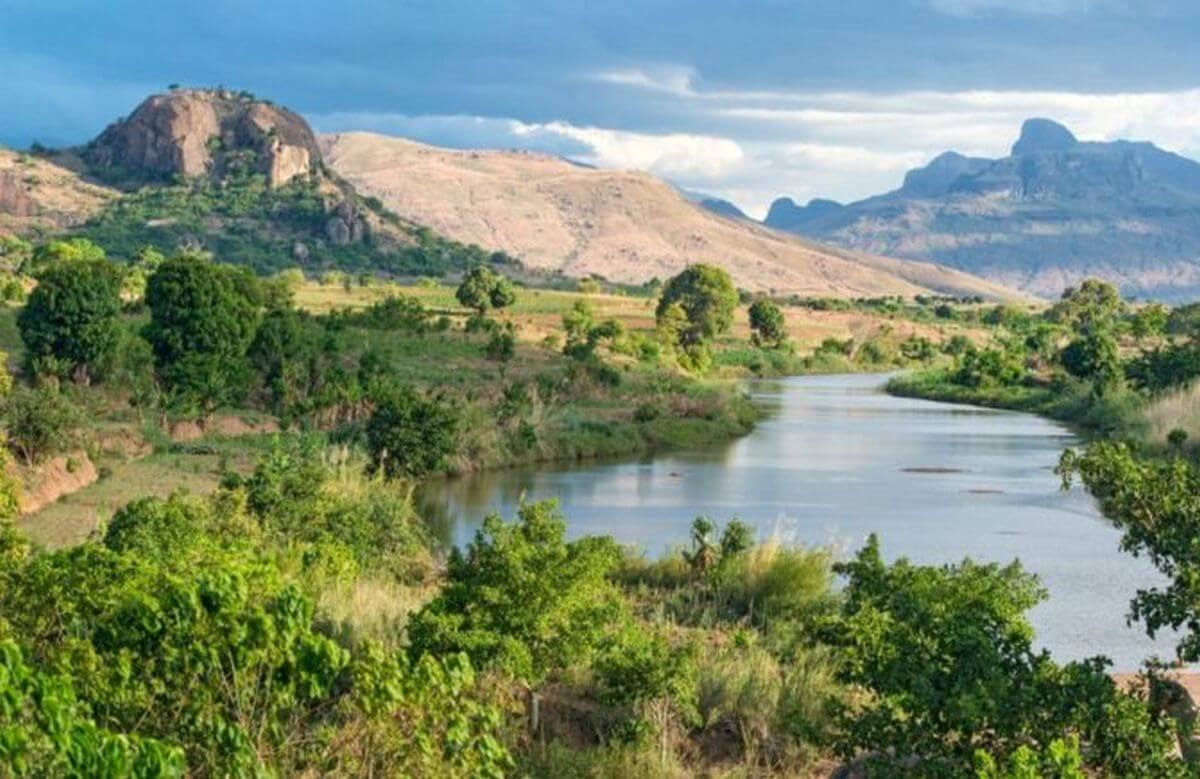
(742, 99)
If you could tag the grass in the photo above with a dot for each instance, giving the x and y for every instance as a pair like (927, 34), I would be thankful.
(1120, 412)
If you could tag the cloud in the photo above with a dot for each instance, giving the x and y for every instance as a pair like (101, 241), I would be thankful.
(678, 156)
(671, 79)
(1033, 7)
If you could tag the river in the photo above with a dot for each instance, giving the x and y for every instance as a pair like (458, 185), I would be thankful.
(836, 459)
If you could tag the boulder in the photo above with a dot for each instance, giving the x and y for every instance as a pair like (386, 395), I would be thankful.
(193, 133)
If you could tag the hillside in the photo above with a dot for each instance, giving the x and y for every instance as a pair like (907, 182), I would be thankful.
(625, 226)
(38, 195)
(1054, 211)
(222, 171)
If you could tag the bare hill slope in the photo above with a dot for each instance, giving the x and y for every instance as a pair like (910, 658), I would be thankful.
(625, 226)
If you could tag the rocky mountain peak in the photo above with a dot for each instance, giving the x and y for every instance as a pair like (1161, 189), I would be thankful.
(206, 132)
(1043, 135)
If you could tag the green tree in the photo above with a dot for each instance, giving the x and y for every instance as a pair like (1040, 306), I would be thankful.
(767, 323)
(46, 731)
(64, 249)
(1156, 505)
(411, 435)
(203, 317)
(708, 299)
(1092, 304)
(483, 289)
(946, 655)
(41, 423)
(1094, 357)
(522, 597)
(71, 323)
(1149, 321)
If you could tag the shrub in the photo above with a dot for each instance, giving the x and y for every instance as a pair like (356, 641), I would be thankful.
(522, 597)
(41, 423)
(767, 323)
(411, 435)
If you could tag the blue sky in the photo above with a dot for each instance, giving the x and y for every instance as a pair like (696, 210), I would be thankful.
(747, 99)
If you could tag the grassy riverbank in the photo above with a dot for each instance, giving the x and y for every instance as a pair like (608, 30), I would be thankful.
(1065, 400)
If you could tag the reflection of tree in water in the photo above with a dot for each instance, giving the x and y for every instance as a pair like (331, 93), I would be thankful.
(447, 503)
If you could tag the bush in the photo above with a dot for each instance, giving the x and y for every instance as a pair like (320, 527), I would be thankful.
(411, 435)
(522, 598)
(41, 423)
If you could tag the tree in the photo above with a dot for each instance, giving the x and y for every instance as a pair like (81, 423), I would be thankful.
(277, 351)
(483, 289)
(1156, 505)
(1093, 303)
(768, 324)
(1094, 357)
(71, 322)
(411, 435)
(41, 423)
(946, 654)
(708, 299)
(65, 249)
(203, 317)
(522, 597)
(1150, 321)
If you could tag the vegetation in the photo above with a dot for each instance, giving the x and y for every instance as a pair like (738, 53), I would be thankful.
(70, 323)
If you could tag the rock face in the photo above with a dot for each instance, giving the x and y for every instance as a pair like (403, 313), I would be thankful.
(202, 132)
(1055, 211)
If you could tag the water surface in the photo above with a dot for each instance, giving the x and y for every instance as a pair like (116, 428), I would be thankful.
(837, 459)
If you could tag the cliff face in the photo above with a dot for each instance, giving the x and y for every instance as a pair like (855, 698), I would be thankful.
(1053, 212)
(204, 132)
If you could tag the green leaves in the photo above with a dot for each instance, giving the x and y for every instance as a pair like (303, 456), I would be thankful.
(70, 324)
(202, 319)
(522, 598)
(706, 298)
(411, 435)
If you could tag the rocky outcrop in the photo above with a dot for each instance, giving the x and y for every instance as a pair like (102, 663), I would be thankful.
(346, 225)
(203, 132)
(14, 200)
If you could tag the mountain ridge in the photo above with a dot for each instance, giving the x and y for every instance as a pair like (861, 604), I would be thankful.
(626, 226)
(1054, 211)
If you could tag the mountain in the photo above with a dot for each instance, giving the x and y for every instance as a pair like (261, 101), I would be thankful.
(1054, 211)
(717, 205)
(222, 171)
(622, 225)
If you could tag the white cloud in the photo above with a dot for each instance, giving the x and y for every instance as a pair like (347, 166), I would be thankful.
(1038, 7)
(753, 146)
(672, 79)
(674, 155)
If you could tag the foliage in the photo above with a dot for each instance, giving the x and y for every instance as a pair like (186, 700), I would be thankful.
(767, 324)
(46, 731)
(1156, 505)
(707, 298)
(70, 323)
(946, 654)
(411, 435)
(988, 367)
(41, 423)
(1094, 357)
(521, 597)
(203, 317)
(482, 289)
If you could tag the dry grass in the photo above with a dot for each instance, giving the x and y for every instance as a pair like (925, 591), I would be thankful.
(372, 608)
(1180, 409)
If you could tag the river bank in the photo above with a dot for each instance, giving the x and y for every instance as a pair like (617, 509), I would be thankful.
(836, 458)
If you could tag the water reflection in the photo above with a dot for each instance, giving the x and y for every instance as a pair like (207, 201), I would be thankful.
(838, 459)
